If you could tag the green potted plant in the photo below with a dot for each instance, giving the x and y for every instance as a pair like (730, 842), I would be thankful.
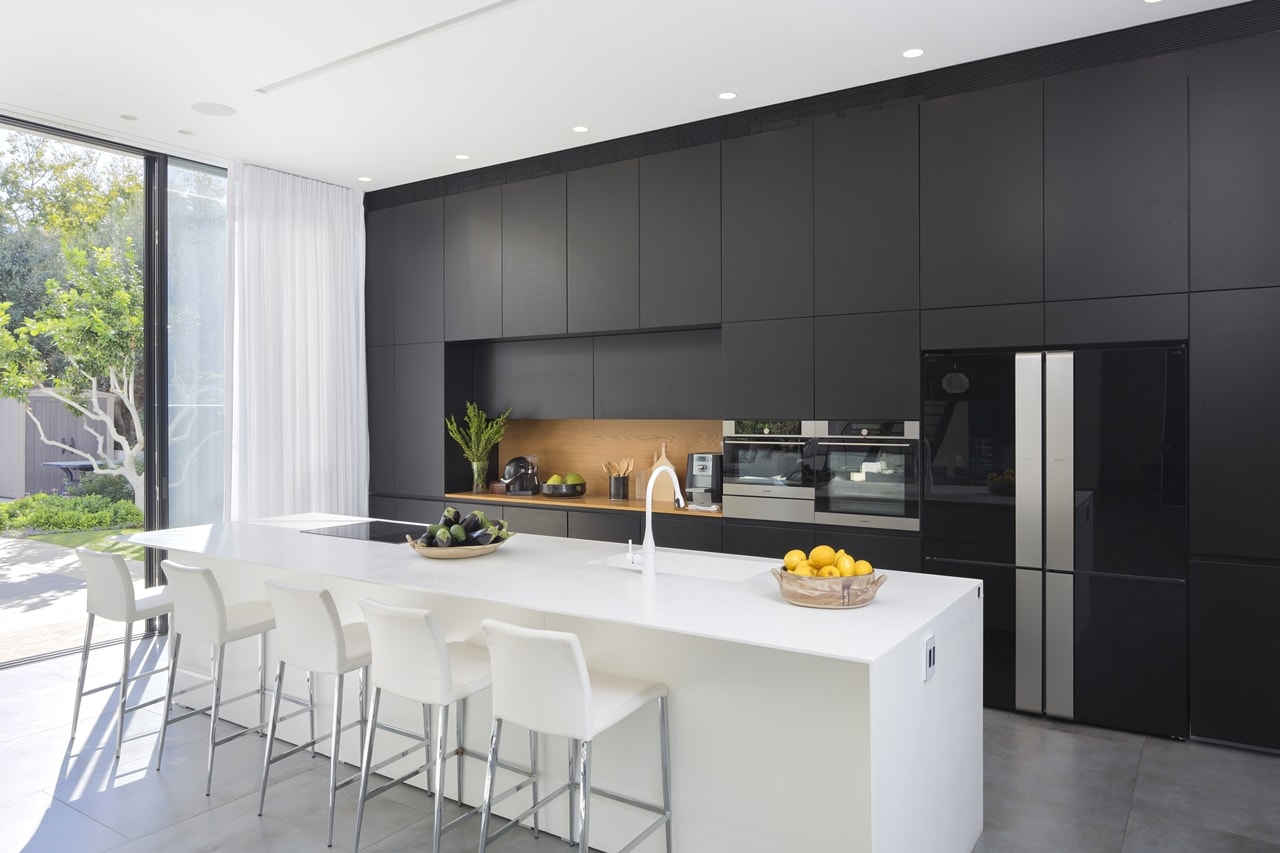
(477, 440)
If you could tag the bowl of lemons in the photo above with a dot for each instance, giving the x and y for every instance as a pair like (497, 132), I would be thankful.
(827, 578)
(565, 486)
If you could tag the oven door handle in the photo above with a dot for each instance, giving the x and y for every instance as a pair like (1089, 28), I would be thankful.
(766, 440)
(864, 443)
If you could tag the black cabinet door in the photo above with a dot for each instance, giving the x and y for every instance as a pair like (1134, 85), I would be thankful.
(419, 423)
(604, 248)
(1235, 359)
(658, 375)
(866, 212)
(1235, 174)
(379, 277)
(549, 378)
(767, 220)
(418, 256)
(619, 527)
(1233, 697)
(765, 540)
(542, 522)
(693, 534)
(992, 327)
(533, 257)
(884, 551)
(383, 507)
(380, 369)
(1115, 180)
(867, 366)
(1125, 320)
(680, 238)
(982, 197)
(767, 369)
(473, 265)
(419, 511)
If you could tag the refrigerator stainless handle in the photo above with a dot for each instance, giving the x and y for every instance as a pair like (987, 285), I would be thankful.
(1027, 437)
(1059, 461)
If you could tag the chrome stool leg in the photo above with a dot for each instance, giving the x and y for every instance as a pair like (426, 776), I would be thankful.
(84, 666)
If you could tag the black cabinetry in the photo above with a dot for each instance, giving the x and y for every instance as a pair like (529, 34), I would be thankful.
(473, 265)
(867, 366)
(533, 257)
(884, 551)
(380, 239)
(604, 248)
(765, 540)
(694, 534)
(419, 419)
(380, 363)
(767, 369)
(550, 378)
(658, 375)
(680, 238)
(1235, 174)
(1115, 180)
(619, 527)
(543, 522)
(982, 197)
(767, 219)
(866, 212)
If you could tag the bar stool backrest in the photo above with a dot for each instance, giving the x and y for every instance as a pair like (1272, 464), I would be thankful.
(308, 629)
(410, 652)
(110, 586)
(199, 611)
(540, 679)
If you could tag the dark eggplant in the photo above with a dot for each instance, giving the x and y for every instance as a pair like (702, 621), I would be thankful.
(443, 538)
(450, 516)
(485, 536)
(427, 539)
(473, 521)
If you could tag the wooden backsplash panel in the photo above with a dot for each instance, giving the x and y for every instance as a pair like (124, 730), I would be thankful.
(582, 445)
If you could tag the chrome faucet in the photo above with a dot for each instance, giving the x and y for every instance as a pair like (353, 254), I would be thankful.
(647, 549)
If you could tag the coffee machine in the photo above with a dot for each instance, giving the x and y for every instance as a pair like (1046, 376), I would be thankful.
(702, 479)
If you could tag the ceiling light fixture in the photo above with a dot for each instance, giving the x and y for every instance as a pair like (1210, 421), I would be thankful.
(913, 53)
(128, 117)
(727, 96)
(1150, 1)
(187, 132)
(581, 129)
(364, 180)
(209, 108)
(462, 156)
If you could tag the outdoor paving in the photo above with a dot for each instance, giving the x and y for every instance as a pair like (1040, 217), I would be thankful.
(42, 600)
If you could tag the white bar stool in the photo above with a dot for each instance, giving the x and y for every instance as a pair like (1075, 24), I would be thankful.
(412, 659)
(201, 614)
(541, 682)
(111, 596)
(310, 635)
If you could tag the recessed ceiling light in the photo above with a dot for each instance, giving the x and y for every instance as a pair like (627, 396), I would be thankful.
(364, 180)
(581, 129)
(1150, 1)
(727, 96)
(462, 156)
(187, 132)
(212, 109)
(128, 117)
(913, 53)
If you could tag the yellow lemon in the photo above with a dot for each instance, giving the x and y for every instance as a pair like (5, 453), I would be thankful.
(862, 567)
(804, 568)
(844, 563)
(828, 572)
(823, 555)
(793, 558)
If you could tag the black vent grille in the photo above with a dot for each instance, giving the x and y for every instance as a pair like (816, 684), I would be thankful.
(1229, 22)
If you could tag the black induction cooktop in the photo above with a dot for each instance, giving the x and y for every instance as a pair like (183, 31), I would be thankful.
(373, 531)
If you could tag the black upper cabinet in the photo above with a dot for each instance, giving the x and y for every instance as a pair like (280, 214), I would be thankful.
(473, 265)
(419, 420)
(549, 378)
(1115, 180)
(982, 197)
(767, 369)
(997, 326)
(888, 345)
(658, 375)
(418, 257)
(767, 219)
(380, 368)
(533, 257)
(379, 277)
(1235, 174)
(604, 248)
(1235, 359)
(680, 238)
(866, 212)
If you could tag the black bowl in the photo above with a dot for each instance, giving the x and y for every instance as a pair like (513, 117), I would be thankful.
(564, 490)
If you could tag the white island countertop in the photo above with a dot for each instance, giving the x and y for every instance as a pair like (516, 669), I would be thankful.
(557, 575)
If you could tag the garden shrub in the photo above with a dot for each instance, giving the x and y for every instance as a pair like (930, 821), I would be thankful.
(50, 513)
(113, 487)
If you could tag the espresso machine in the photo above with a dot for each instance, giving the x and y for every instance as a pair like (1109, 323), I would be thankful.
(702, 479)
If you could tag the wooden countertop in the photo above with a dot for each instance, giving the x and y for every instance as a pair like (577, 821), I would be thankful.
(587, 501)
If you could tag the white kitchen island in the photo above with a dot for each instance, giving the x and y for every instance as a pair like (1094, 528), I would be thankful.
(791, 728)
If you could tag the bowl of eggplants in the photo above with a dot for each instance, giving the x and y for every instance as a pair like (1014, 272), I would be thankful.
(457, 536)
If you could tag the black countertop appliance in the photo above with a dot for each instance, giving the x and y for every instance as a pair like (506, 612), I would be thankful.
(520, 476)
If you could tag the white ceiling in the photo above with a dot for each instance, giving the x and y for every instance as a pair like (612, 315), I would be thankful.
(426, 80)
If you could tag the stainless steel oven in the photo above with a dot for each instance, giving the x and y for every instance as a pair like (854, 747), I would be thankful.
(768, 470)
(867, 474)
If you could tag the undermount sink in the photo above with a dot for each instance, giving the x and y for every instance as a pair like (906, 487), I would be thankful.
(707, 567)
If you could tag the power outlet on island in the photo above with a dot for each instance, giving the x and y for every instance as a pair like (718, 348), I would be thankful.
(930, 656)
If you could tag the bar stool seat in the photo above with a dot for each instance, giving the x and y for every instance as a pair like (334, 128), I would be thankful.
(201, 614)
(111, 595)
(310, 635)
(541, 682)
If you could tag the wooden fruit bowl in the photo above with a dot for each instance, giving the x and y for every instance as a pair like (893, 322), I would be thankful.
(841, 593)
(454, 552)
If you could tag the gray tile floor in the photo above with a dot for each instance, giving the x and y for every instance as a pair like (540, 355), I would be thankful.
(1049, 786)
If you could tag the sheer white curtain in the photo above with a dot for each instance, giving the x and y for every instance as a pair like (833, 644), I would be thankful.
(299, 438)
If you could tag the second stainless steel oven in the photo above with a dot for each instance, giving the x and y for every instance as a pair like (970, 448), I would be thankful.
(867, 474)
(768, 470)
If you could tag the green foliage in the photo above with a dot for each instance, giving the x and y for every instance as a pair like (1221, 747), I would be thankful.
(55, 512)
(113, 487)
(481, 434)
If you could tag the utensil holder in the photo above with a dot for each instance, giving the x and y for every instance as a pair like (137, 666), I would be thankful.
(618, 488)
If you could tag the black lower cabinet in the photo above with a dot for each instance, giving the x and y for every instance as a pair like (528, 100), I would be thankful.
(606, 526)
(999, 625)
(766, 540)
(543, 522)
(1235, 696)
(382, 507)
(692, 534)
(418, 511)
(884, 551)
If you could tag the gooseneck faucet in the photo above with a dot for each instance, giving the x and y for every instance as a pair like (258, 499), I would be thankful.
(647, 549)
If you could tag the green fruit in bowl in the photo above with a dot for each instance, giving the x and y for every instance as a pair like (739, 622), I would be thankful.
(555, 480)
(573, 479)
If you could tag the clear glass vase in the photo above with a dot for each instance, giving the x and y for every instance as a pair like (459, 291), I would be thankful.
(480, 476)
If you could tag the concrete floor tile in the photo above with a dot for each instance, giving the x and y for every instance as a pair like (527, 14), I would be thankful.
(39, 823)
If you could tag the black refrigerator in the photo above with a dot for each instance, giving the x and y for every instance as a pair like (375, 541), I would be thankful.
(1059, 478)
